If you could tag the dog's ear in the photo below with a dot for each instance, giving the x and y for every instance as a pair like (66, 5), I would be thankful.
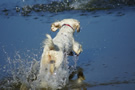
(55, 26)
(78, 27)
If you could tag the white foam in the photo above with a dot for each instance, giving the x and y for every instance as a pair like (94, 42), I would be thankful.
(79, 4)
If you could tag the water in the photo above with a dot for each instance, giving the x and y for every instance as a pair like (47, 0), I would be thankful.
(26, 7)
(107, 37)
(24, 73)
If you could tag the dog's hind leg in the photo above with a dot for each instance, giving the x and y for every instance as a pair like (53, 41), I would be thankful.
(43, 63)
(52, 66)
(55, 59)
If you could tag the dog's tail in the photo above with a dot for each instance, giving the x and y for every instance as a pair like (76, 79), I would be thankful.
(49, 45)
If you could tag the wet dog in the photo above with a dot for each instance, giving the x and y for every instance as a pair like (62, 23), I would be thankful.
(63, 42)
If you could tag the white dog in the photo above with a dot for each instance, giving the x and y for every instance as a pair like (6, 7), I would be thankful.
(55, 48)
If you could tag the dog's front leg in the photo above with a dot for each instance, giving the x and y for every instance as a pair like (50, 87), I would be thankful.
(77, 48)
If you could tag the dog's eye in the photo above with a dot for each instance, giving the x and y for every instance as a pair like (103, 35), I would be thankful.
(52, 62)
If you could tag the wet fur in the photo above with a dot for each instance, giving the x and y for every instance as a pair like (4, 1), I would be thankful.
(63, 42)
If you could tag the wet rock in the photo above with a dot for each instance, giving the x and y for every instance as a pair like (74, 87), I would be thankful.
(96, 16)
(109, 12)
(26, 10)
(38, 7)
(17, 9)
(6, 13)
(35, 17)
(5, 10)
(83, 14)
(120, 14)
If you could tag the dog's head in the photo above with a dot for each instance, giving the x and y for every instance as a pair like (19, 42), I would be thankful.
(75, 24)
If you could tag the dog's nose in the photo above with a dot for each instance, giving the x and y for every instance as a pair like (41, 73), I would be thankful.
(52, 61)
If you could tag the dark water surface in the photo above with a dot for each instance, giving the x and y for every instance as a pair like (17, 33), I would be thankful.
(107, 36)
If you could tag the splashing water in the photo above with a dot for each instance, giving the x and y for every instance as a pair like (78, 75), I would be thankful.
(75, 59)
(20, 70)
(24, 73)
(57, 80)
(27, 7)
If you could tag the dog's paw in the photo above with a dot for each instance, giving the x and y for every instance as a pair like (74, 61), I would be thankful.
(77, 48)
